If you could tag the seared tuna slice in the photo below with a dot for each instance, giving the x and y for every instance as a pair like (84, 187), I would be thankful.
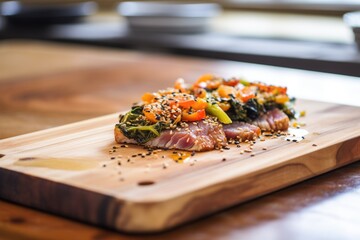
(241, 130)
(195, 136)
(273, 120)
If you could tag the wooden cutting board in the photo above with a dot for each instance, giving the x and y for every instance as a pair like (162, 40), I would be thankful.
(78, 171)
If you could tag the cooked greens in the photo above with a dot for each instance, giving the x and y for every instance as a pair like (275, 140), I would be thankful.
(134, 126)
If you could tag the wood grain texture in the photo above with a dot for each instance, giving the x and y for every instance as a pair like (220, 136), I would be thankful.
(182, 192)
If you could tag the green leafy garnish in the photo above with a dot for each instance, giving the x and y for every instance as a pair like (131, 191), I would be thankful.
(135, 126)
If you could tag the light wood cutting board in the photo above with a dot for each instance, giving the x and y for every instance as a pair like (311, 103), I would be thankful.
(73, 171)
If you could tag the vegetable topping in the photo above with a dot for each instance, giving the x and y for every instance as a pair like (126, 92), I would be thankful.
(210, 98)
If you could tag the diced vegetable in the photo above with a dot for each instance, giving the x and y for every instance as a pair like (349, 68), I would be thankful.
(214, 84)
(270, 88)
(215, 110)
(208, 81)
(148, 97)
(232, 82)
(197, 104)
(224, 106)
(200, 103)
(245, 94)
(203, 79)
(200, 92)
(151, 116)
(282, 98)
(193, 116)
(226, 91)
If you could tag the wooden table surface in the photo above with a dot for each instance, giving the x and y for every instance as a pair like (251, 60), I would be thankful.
(44, 85)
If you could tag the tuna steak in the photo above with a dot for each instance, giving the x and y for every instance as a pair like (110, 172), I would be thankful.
(273, 120)
(196, 136)
(241, 131)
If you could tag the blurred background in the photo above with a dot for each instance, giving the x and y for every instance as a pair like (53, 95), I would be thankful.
(302, 34)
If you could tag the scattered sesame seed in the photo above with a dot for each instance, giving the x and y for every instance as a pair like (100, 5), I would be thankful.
(165, 165)
(264, 148)
(314, 145)
(224, 159)
(252, 155)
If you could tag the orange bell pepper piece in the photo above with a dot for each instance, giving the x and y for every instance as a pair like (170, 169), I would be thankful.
(148, 97)
(225, 91)
(245, 94)
(193, 116)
